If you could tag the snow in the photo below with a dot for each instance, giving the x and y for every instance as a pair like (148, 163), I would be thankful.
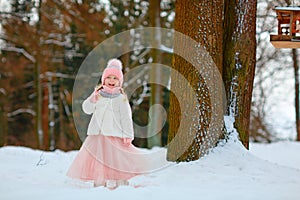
(283, 153)
(267, 171)
(287, 8)
(228, 171)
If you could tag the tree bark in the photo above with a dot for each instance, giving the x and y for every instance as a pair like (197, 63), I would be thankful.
(228, 35)
(239, 61)
(204, 26)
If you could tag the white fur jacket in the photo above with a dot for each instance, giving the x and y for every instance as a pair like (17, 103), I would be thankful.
(111, 117)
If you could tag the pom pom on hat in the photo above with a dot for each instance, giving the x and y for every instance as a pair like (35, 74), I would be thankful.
(114, 67)
(114, 63)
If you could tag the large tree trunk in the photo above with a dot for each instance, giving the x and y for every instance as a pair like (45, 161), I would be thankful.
(204, 26)
(231, 44)
(239, 61)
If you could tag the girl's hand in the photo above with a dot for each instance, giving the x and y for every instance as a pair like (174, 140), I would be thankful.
(94, 97)
(127, 141)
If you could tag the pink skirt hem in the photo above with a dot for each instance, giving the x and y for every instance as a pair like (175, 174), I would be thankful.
(103, 158)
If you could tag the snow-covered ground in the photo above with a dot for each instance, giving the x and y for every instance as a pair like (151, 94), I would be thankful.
(227, 172)
(286, 153)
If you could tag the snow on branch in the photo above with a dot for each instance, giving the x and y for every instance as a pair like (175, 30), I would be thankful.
(15, 14)
(58, 43)
(166, 49)
(20, 50)
(3, 91)
(59, 75)
(21, 110)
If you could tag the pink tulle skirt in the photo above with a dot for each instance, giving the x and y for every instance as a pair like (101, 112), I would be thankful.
(103, 158)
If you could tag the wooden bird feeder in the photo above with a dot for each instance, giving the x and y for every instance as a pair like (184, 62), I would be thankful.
(288, 28)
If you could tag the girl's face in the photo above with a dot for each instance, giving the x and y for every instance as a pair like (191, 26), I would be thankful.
(112, 81)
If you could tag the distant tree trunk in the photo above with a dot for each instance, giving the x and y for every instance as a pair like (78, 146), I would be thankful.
(38, 116)
(239, 61)
(3, 126)
(38, 105)
(45, 117)
(201, 21)
(62, 125)
(155, 118)
(38, 88)
(51, 116)
(297, 91)
(61, 136)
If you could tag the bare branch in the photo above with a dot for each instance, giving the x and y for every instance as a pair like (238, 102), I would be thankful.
(15, 14)
(20, 111)
(20, 50)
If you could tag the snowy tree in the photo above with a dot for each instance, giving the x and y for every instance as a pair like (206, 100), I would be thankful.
(239, 61)
(229, 37)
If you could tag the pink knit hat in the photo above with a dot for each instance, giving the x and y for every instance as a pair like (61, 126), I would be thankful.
(114, 67)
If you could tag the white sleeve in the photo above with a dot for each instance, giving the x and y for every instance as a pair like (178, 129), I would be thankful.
(126, 119)
(87, 106)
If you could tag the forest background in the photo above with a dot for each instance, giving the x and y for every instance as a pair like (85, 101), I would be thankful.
(43, 44)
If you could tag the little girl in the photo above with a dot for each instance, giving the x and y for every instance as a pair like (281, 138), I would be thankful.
(107, 156)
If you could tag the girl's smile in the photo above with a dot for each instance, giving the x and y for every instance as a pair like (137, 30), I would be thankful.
(112, 81)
